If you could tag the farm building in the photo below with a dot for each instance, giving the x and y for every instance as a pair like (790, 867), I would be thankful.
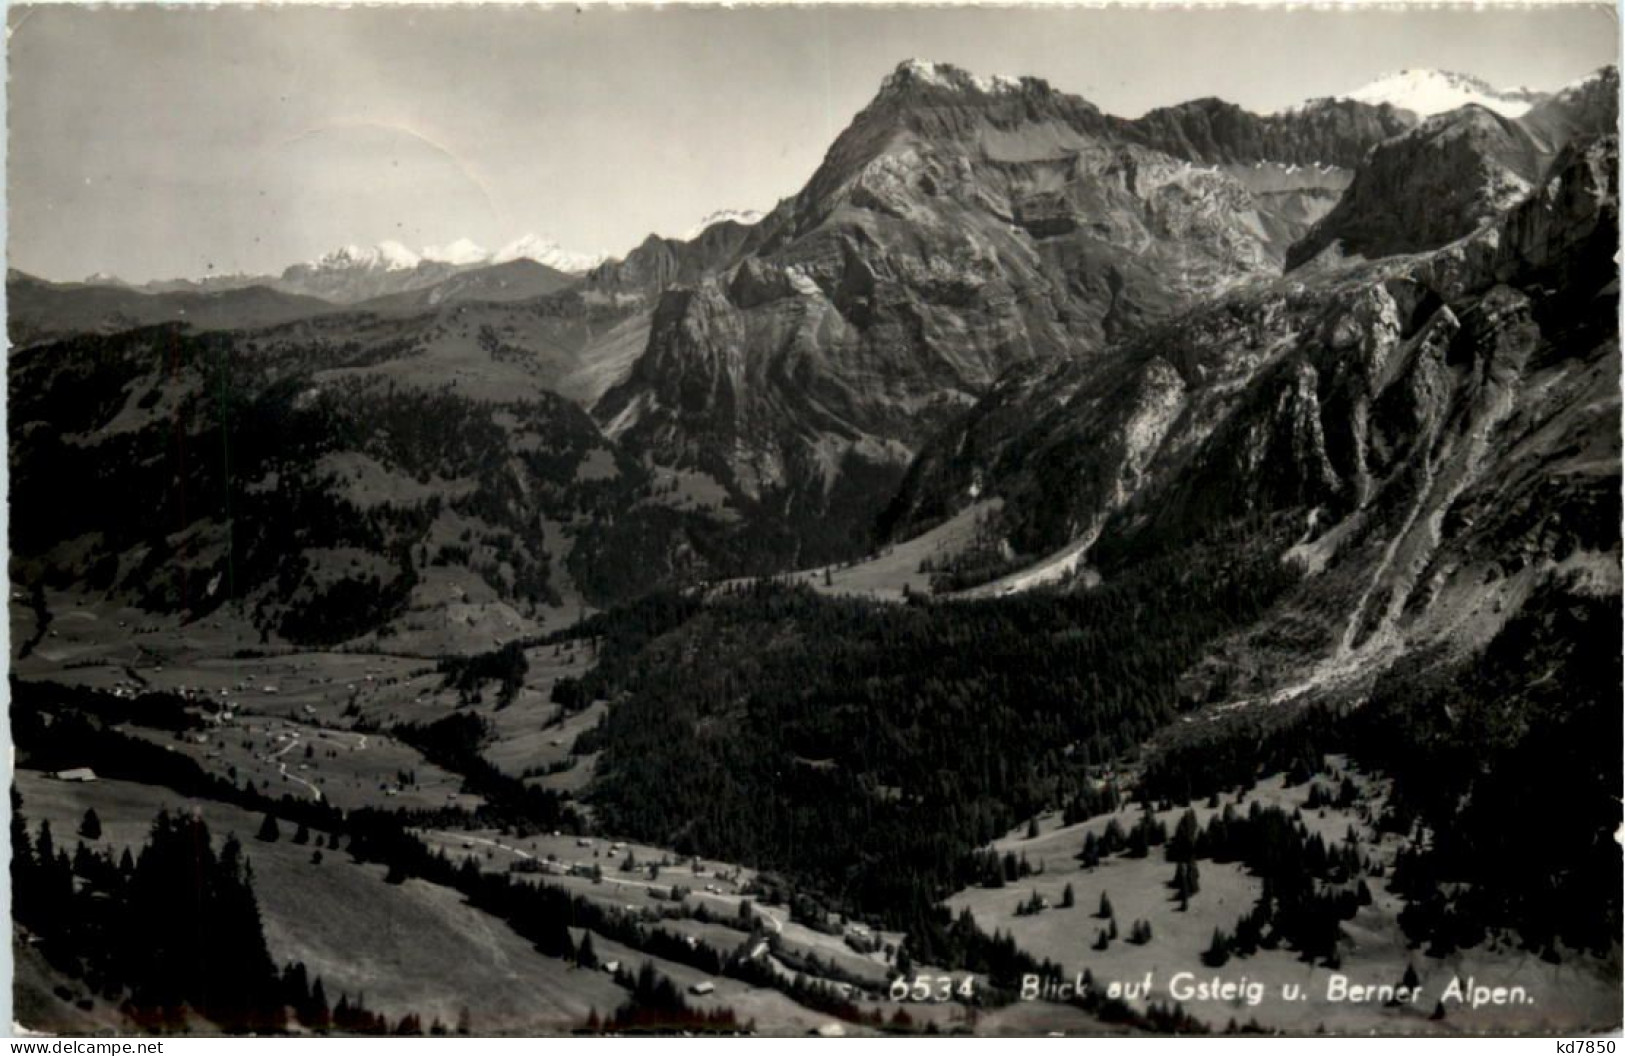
(78, 773)
(703, 987)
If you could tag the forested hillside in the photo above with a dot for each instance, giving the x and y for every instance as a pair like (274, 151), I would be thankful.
(866, 749)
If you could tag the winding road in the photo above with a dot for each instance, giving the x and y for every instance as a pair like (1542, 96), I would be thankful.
(282, 767)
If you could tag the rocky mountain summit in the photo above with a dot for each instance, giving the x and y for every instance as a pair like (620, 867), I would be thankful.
(1455, 171)
(959, 227)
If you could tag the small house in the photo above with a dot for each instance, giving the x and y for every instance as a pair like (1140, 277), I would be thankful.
(78, 773)
(702, 988)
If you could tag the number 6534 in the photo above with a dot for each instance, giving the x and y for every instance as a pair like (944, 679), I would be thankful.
(933, 988)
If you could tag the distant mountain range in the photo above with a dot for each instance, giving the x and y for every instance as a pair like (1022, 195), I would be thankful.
(353, 273)
(39, 310)
(961, 230)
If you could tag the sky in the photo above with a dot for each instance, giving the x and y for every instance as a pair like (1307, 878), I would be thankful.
(165, 142)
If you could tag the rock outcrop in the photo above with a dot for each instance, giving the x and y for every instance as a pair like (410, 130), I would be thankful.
(1430, 437)
(1428, 187)
(1454, 172)
(1330, 132)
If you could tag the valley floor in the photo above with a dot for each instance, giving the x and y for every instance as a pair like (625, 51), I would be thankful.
(315, 725)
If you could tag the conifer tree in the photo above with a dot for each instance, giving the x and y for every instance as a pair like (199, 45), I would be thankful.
(320, 1016)
(269, 831)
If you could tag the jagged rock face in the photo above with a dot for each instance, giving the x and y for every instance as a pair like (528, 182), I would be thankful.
(958, 228)
(1428, 187)
(1326, 132)
(658, 263)
(1443, 179)
(1296, 164)
(1429, 437)
(942, 106)
(1554, 235)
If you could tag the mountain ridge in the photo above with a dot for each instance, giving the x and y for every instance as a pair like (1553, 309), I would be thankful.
(960, 231)
(958, 226)
(1456, 170)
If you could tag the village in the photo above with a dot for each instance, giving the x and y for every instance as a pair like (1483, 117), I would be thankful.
(318, 726)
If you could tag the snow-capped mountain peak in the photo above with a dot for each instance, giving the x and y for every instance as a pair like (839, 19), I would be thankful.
(746, 217)
(548, 252)
(386, 256)
(347, 257)
(461, 252)
(396, 257)
(943, 75)
(1429, 92)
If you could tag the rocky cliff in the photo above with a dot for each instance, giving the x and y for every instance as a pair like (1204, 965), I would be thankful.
(1457, 170)
(1429, 438)
(959, 227)
(1328, 132)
